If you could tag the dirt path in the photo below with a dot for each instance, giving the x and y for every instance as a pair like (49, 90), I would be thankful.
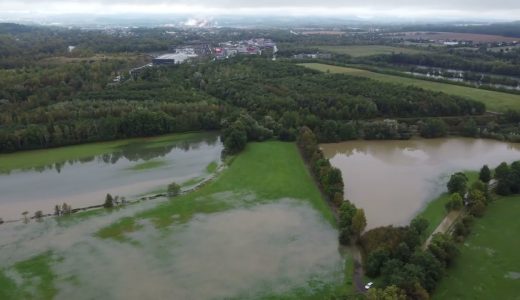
(358, 274)
(444, 226)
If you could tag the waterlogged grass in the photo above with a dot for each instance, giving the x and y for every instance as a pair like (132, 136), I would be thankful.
(367, 50)
(494, 101)
(435, 211)
(269, 171)
(41, 158)
(147, 165)
(125, 224)
(212, 167)
(37, 279)
(488, 266)
(8, 288)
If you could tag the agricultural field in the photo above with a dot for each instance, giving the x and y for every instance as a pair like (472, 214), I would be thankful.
(488, 266)
(368, 50)
(456, 36)
(494, 101)
(190, 246)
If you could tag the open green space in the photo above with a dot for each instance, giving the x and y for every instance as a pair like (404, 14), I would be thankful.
(488, 266)
(435, 211)
(269, 170)
(494, 101)
(368, 50)
(40, 158)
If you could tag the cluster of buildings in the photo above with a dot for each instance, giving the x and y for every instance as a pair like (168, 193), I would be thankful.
(245, 47)
(181, 54)
(197, 49)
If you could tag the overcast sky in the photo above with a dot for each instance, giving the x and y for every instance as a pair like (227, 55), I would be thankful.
(369, 9)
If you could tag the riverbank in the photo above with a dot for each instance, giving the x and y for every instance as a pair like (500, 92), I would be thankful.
(435, 211)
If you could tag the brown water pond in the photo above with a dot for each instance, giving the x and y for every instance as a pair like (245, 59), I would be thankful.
(394, 180)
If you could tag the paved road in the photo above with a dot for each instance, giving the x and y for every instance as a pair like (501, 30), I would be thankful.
(444, 226)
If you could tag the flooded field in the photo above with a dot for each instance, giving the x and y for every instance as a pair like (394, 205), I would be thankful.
(128, 170)
(393, 180)
(246, 252)
(259, 230)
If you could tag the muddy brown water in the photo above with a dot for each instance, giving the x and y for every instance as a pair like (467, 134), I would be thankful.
(394, 180)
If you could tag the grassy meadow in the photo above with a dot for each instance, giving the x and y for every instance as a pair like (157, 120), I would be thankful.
(368, 50)
(494, 101)
(488, 266)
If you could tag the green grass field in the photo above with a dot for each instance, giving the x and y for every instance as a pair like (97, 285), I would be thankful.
(435, 211)
(270, 170)
(494, 101)
(40, 158)
(489, 263)
(367, 50)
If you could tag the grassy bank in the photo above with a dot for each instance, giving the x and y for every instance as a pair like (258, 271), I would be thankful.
(435, 211)
(494, 101)
(270, 171)
(489, 263)
(367, 50)
(44, 157)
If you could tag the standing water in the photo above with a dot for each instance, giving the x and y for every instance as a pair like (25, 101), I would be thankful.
(393, 180)
(134, 168)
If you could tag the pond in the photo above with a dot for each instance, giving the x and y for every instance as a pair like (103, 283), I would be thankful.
(393, 180)
(130, 169)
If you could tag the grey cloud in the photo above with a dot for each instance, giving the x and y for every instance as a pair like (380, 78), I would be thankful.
(376, 4)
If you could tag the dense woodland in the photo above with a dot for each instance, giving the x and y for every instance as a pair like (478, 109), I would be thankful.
(76, 103)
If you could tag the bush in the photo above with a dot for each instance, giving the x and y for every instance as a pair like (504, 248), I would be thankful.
(455, 202)
(433, 128)
(173, 189)
(458, 183)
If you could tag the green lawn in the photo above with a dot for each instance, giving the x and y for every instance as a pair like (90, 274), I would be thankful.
(269, 170)
(489, 263)
(494, 101)
(367, 50)
(41, 158)
(435, 211)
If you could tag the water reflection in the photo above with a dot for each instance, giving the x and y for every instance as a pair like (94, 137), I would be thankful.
(393, 180)
(86, 180)
(135, 151)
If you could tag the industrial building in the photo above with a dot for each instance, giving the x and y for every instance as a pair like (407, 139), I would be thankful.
(173, 58)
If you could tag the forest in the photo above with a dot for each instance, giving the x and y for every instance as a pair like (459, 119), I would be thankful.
(73, 106)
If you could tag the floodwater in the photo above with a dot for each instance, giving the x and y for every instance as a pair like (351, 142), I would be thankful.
(393, 180)
(283, 247)
(129, 171)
